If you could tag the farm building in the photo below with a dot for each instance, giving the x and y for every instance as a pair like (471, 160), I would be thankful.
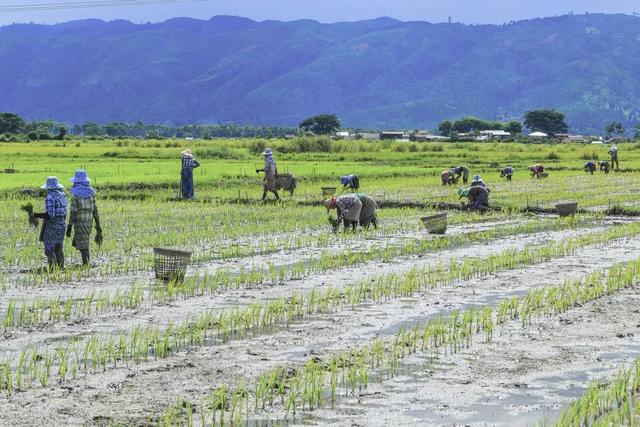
(386, 135)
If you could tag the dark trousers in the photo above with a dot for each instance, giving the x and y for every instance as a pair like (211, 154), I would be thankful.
(54, 254)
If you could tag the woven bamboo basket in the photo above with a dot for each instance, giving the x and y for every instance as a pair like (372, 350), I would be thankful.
(436, 224)
(170, 264)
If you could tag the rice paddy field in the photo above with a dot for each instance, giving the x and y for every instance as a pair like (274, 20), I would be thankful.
(514, 317)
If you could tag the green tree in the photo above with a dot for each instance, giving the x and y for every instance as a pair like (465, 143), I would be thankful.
(445, 128)
(323, 124)
(637, 131)
(614, 128)
(471, 124)
(548, 121)
(62, 132)
(514, 127)
(11, 123)
(92, 129)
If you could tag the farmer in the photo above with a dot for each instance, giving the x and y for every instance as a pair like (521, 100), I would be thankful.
(461, 171)
(604, 166)
(478, 198)
(590, 167)
(348, 206)
(368, 213)
(352, 182)
(270, 171)
(53, 225)
(447, 177)
(82, 212)
(536, 170)
(507, 173)
(613, 152)
(477, 181)
(186, 176)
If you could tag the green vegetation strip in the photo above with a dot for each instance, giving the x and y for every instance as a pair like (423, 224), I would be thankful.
(144, 342)
(602, 405)
(317, 382)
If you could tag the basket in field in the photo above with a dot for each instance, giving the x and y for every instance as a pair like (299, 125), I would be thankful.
(567, 208)
(170, 264)
(436, 224)
(328, 191)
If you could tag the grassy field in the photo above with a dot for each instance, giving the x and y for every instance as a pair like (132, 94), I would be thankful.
(506, 319)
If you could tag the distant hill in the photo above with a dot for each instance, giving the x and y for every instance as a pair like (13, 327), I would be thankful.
(374, 74)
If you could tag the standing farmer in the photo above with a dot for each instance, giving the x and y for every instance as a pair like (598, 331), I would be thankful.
(53, 225)
(270, 171)
(82, 212)
(186, 175)
(613, 152)
(349, 207)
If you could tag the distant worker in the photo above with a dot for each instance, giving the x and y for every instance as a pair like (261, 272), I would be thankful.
(536, 170)
(613, 152)
(461, 171)
(186, 175)
(349, 207)
(53, 225)
(352, 182)
(447, 177)
(507, 173)
(368, 213)
(270, 171)
(590, 167)
(604, 166)
(83, 211)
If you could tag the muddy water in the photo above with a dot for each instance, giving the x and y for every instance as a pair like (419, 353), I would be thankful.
(109, 395)
(526, 375)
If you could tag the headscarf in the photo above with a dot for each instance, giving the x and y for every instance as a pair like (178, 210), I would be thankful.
(83, 190)
(330, 203)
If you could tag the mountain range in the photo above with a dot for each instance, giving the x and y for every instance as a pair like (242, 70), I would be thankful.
(375, 74)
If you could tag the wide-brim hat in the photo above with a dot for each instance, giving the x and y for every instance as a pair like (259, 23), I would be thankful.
(52, 184)
(267, 152)
(187, 152)
(80, 177)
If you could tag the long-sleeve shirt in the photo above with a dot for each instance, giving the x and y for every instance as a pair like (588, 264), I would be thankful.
(344, 203)
(478, 196)
(270, 169)
(189, 163)
(55, 204)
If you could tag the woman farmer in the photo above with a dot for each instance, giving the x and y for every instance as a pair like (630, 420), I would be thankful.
(447, 177)
(349, 207)
(186, 175)
(461, 171)
(270, 171)
(590, 167)
(507, 173)
(82, 212)
(352, 182)
(53, 225)
(368, 213)
(536, 170)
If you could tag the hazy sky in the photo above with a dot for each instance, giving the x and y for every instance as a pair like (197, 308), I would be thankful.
(468, 11)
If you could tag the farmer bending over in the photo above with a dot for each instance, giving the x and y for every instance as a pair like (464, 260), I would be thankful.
(186, 175)
(270, 171)
(461, 171)
(448, 178)
(349, 207)
(507, 173)
(368, 213)
(536, 170)
(478, 182)
(604, 166)
(53, 225)
(590, 167)
(352, 182)
(82, 212)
